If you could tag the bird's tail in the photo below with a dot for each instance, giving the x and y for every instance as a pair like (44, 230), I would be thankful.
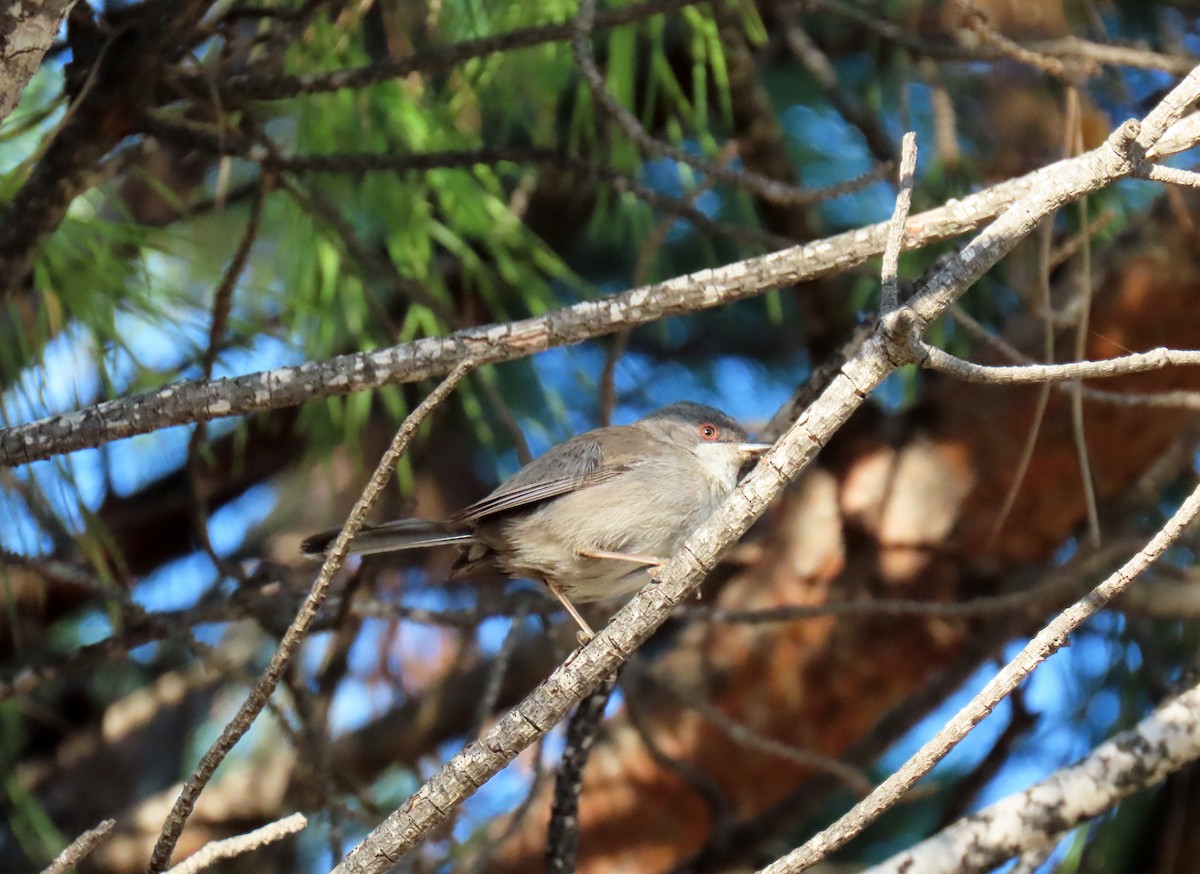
(387, 537)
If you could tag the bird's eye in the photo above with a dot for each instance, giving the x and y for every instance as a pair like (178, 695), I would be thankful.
(709, 431)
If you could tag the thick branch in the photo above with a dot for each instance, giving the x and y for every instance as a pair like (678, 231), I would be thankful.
(27, 31)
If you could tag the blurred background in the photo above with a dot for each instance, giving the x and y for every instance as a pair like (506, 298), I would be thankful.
(191, 191)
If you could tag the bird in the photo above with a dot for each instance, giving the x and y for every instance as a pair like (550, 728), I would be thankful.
(594, 517)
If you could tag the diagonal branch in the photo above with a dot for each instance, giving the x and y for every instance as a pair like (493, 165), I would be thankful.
(80, 848)
(882, 353)
(297, 631)
(1124, 148)
(1133, 760)
(1048, 641)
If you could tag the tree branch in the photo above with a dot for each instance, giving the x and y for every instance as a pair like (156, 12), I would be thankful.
(1048, 641)
(259, 86)
(562, 837)
(298, 630)
(1137, 362)
(27, 31)
(195, 401)
(230, 848)
(80, 848)
(1133, 760)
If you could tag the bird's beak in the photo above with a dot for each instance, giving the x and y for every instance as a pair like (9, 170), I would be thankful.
(753, 450)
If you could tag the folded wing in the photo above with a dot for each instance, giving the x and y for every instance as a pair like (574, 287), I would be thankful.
(576, 464)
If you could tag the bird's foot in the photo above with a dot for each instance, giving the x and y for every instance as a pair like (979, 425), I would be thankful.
(585, 635)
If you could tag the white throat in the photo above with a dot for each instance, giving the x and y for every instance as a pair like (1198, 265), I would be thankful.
(721, 463)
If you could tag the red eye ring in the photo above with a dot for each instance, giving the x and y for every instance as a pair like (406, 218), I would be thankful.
(709, 431)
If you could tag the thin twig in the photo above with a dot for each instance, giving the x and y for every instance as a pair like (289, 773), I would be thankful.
(222, 306)
(890, 296)
(1174, 399)
(975, 21)
(298, 630)
(1078, 431)
(269, 86)
(495, 681)
(1045, 236)
(1171, 176)
(822, 69)
(744, 735)
(765, 187)
(80, 848)
(720, 807)
(1025, 374)
(230, 848)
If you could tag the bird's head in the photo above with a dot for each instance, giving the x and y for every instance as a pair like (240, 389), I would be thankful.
(720, 443)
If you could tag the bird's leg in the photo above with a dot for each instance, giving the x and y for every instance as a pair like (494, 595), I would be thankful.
(653, 563)
(585, 633)
(648, 560)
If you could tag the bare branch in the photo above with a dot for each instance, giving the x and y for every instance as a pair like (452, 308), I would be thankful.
(741, 733)
(1068, 48)
(298, 630)
(80, 848)
(1025, 374)
(1133, 760)
(194, 401)
(1048, 641)
(1172, 176)
(259, 86)
(852, 109)
(890, 298)
(230, 848)
(1182, 399)
(562, 837)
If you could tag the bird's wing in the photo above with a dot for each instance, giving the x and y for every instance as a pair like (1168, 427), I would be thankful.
(576, 464)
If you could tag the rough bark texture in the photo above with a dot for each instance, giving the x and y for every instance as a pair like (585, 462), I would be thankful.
(27, 30)
(288, 386)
